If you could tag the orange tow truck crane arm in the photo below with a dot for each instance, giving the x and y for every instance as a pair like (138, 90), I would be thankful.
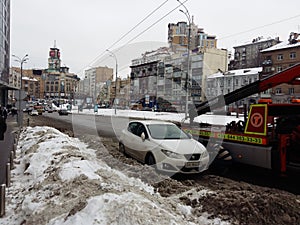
(290, 75)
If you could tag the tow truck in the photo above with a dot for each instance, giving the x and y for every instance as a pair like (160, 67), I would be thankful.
(267, 137)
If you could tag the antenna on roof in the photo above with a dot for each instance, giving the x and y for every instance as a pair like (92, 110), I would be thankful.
(54, 43)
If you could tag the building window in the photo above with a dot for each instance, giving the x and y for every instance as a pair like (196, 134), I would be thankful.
(279, 68)
(236, 81)
(278, 90)
(268, 69)
(228, 82)
(291, 91)
(293, 55)
(279, 57)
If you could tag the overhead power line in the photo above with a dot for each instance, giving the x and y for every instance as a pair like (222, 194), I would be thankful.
(128, 32)
(150, 14)
(160, 19)
(259, 27)
(157, 21)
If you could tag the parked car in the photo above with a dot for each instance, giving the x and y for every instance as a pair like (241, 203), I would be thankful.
(50, 110)
(28, 110)
(63, 112)
(164, 145)
(34, 112)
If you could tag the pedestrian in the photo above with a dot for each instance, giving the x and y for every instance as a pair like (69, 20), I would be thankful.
(3, 128)
(4, 113)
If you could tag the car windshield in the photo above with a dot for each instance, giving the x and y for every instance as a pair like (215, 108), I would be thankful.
(166, 131)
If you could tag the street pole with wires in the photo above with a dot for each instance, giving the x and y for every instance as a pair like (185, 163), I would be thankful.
(187, 86)
(114, 56)
(20, 112)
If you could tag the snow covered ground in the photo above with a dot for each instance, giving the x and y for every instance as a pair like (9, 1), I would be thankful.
(59, 180)
(178, 117)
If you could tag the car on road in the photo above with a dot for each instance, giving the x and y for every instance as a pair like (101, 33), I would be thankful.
(163, 145)
(50, 110)
(34, 112)
(63, 112)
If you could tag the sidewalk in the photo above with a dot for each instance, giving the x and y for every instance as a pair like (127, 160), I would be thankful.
(7, 145)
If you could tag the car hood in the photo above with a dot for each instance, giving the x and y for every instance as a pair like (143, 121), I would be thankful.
(181, 146)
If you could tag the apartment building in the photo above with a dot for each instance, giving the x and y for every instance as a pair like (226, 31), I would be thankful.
(4, 51)
(119, 93)
(30, 84)
(248, 55)
(178, 37)
(144, 76)
(222, 83)
(95, 78)
(278, 58)
(173, 78)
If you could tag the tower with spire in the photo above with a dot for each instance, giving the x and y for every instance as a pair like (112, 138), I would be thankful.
(54, 60)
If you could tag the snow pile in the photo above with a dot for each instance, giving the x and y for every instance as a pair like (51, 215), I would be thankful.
(215, 119)
(59, 180)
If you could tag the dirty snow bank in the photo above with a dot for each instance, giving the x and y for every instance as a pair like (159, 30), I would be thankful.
(59, 180)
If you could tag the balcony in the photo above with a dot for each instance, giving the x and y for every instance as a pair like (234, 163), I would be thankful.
(267, 62)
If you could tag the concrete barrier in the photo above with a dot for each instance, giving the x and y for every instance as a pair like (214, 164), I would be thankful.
(11, 159)
(8, 175)
(2, 200)
(15, 148)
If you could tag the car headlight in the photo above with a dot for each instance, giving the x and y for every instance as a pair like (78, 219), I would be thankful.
(171, 154)
(204, 154)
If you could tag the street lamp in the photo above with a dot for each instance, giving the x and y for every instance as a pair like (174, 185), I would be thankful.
(187, 14)
(21, 61)
(113, 55)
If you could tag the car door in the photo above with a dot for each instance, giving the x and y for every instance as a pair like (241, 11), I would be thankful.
(131, 139)
(141, 145)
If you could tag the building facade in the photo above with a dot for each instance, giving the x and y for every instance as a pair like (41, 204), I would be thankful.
(222, 83)
(144, 76)
(57, 81)
(278, 58)
(95, 78)
(178, 37)
(51, 83)
(4, 51)
(120, 94)
(249, 55)
(30, 83)
(168, 79)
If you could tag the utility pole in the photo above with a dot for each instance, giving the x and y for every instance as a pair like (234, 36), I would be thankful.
(20, 112)
(187, 14)
(113, 55)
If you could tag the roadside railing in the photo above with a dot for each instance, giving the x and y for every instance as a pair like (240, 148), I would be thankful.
(9, 167)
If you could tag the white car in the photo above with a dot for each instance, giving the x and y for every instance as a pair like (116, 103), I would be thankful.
(164, 145)
(34, 113)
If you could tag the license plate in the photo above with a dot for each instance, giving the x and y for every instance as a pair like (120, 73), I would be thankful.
(192, 164)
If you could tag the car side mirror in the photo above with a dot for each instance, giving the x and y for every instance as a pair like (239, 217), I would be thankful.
(143, 136)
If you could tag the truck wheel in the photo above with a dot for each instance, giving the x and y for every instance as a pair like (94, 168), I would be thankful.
(222, 162)
(275, 163)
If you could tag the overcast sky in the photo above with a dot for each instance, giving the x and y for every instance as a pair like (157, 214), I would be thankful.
(83, 30)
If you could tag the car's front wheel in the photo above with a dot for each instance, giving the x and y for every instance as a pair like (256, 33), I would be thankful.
(150, 160)
(122, 148)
